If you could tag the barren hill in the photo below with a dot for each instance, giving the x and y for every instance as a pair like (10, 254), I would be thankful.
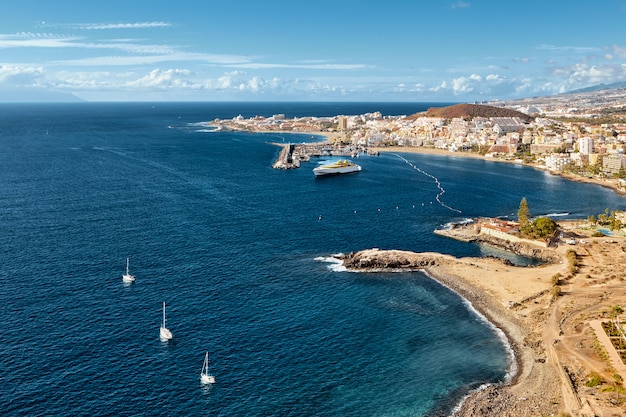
(470, 111)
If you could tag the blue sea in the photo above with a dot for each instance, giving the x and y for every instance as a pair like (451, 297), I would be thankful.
(239, 252)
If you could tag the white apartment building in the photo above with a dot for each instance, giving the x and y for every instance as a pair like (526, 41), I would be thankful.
(556, 161)
(585, 145)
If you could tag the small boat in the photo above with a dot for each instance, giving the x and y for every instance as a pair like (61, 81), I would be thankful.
(338, 167)
(127, 277)
(164, 333)
(205, 377)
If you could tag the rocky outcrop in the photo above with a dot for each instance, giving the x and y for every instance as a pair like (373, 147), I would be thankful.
(374, 259)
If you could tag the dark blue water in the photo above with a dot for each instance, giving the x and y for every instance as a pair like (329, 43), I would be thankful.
(233, 247)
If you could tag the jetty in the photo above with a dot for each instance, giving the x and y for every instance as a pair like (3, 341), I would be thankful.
(291, 155)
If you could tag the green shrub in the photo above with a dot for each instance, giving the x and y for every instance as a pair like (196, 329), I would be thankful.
(594, 379)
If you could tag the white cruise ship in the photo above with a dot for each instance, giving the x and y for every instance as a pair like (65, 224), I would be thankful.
(339, 167)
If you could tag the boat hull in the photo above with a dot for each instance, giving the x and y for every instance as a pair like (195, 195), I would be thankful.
(336, 169)
(207, 379)
(165, 334)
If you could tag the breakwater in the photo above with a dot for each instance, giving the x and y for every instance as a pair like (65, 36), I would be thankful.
(291, 155)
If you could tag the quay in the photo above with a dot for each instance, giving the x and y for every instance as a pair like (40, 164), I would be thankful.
(292, 154)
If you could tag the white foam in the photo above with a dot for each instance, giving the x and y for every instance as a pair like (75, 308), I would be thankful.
(513, 368)
(460, 404)
(335, 264)
(557, 215)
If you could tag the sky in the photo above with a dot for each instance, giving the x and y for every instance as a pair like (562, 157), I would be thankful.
(275, 50)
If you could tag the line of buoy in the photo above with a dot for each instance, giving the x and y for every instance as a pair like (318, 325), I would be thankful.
(441, 189)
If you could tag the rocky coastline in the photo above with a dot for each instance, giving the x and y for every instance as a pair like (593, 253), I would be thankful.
(471, 233)
(495, 399)
(557, 349)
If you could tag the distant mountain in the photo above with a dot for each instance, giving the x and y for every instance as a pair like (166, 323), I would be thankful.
(16, 95)
(599, 87)
(471, 111)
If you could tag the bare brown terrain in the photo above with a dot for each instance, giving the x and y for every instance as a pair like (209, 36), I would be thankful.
(471, 111)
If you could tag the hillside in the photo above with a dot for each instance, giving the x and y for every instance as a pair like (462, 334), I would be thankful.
(471, 111)
(600, 87)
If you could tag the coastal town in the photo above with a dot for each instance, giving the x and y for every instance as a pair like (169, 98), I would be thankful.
(563, 318)
(579, 137)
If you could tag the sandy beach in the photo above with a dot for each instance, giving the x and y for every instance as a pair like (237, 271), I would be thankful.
(608, 183)
(428, 151)
(552, 336)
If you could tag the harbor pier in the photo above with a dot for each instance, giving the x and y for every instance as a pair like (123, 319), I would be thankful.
(291, 154)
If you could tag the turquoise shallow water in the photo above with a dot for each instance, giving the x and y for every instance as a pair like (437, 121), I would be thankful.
(234, 248)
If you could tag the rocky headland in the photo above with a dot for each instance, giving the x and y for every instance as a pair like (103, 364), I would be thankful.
(555, 346)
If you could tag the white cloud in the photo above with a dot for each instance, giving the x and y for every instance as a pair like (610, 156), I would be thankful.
(255, 84)
(584, 49)
(105, 26)
(17, 76)
(460, 5)
(494, 78)
(229, 79)
(164, 78)
(258, 65)
(583, 74)
(100, 26)
(30, 40)
(620, 51)
(36, 40)
(224, 60)
(464, 85)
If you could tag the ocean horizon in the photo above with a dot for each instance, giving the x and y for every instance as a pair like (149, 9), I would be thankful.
(241, 254)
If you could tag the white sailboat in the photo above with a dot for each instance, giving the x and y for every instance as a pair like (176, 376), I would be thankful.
(127, 277)
(164, 333)
(205, 377)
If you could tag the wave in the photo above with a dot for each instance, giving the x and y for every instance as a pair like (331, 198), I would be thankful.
(501, 335)
(202, 127)
(457, 408)
(452, 224)
(335, 264)
(556, 214)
